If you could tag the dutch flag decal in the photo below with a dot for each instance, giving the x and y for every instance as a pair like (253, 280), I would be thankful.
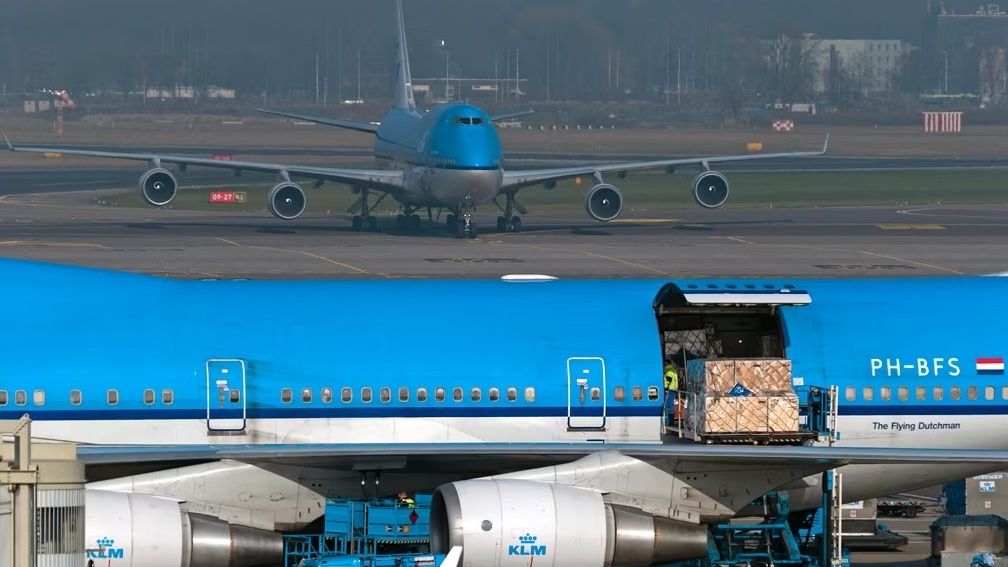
(990, 365)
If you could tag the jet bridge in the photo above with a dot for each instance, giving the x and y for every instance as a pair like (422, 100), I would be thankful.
(735, 382)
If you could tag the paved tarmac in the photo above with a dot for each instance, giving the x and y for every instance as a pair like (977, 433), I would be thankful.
(816, 242)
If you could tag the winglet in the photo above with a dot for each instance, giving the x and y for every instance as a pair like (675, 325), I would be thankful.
(825, 144)
(7, 141)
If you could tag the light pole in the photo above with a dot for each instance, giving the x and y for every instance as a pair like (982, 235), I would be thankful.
(446, 55)
(945, 53)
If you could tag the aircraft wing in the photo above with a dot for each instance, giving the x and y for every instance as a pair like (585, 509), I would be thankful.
(339, 122)
(385, 180)
(514, 180)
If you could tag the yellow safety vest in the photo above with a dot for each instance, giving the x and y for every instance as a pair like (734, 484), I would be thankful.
(407, 502)
(671, 377)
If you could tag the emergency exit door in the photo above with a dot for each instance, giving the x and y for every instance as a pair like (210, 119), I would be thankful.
(225, 383)
(586, 392)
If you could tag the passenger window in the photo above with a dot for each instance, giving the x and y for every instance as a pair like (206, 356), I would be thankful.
(167, 396)
(988, 392)
(326, 395)
(476, 394)
(365, 395)
(286, 395)
(904, 393)
(306, 395)
(20, 397)
(971, 392)
(439, 394)
(346, 394)
(850, 393)
(954, 392)
(637, 393)
(652, 393)
(112, 397)
(493, 395)
(403, 394)
(595, 394)
(867, 393)
(421, 394)
(1004, 392)
(885, 393)
(38, 397)
(3, 397)
(921, 393)
(235, 395)
(938, 392)
(512, 394)
(385, 394)
(619, 393)
(457, 394)
(75, 398)
(148, 397)
(530, 394)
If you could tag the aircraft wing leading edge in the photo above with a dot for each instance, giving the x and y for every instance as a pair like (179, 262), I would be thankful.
(514, 180)
(382, 179)
(338, 122)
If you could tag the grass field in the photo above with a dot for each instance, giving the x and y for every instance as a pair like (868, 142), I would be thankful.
(659, 191)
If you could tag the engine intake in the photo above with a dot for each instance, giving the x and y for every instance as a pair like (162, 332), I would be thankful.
(603, 202)
(710, 189)
(156, 532)
(158, 186)
(509, 522)
(286, 200)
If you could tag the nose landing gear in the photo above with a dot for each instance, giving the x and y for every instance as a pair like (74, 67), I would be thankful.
(461, 222)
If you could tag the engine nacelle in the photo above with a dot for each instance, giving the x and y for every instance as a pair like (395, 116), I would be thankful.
(710, 189)
(510, 522)
(286, 200)
(603, 202)
(158, 186)
(137, 530)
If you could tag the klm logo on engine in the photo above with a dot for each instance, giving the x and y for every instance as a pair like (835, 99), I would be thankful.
(106, 550)
(527, 546)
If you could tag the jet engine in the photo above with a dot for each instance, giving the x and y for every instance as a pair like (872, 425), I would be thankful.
(158, 186)
(603, 202)
(710, 189)
(286, 200)
(511, 522)
(140, 530)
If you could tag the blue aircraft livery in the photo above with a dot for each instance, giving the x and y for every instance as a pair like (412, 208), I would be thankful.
(447, 158)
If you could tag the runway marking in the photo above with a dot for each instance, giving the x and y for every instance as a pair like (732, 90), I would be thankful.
(914, 262)
(644, 267)
(735, 239)
(910, 226)
(63, 244)
(302, 253)
(631, 220)
(868, 252)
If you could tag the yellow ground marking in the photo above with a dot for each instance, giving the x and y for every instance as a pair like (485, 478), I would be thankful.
(914, 262)
(319, 257)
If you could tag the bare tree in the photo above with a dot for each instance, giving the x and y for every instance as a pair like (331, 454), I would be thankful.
(790, 67)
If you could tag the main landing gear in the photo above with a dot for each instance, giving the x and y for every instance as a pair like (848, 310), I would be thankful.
(409, 220)
(509, 222)
(365, 220)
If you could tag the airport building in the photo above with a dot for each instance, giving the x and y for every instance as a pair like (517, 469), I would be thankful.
(873, 64)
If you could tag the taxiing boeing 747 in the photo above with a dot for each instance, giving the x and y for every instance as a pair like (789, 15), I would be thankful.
(447, 158)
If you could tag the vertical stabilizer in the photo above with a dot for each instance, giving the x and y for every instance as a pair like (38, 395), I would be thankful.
(404, 82)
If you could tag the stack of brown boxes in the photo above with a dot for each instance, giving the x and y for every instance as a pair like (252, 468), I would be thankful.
(771, 405)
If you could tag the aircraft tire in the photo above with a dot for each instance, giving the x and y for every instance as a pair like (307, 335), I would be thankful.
(400, 222)
(372, 223)
(451, 222)
(502, 224)
(414, 222)
(516, 224)
(357, 223)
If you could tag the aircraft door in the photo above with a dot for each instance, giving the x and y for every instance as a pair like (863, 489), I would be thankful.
(225, 383)
(586, 392)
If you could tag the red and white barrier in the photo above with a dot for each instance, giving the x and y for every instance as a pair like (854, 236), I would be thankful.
(783, 125)
(943, 121)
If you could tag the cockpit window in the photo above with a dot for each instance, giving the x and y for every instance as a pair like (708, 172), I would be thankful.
(468, 120)
(477, 120)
